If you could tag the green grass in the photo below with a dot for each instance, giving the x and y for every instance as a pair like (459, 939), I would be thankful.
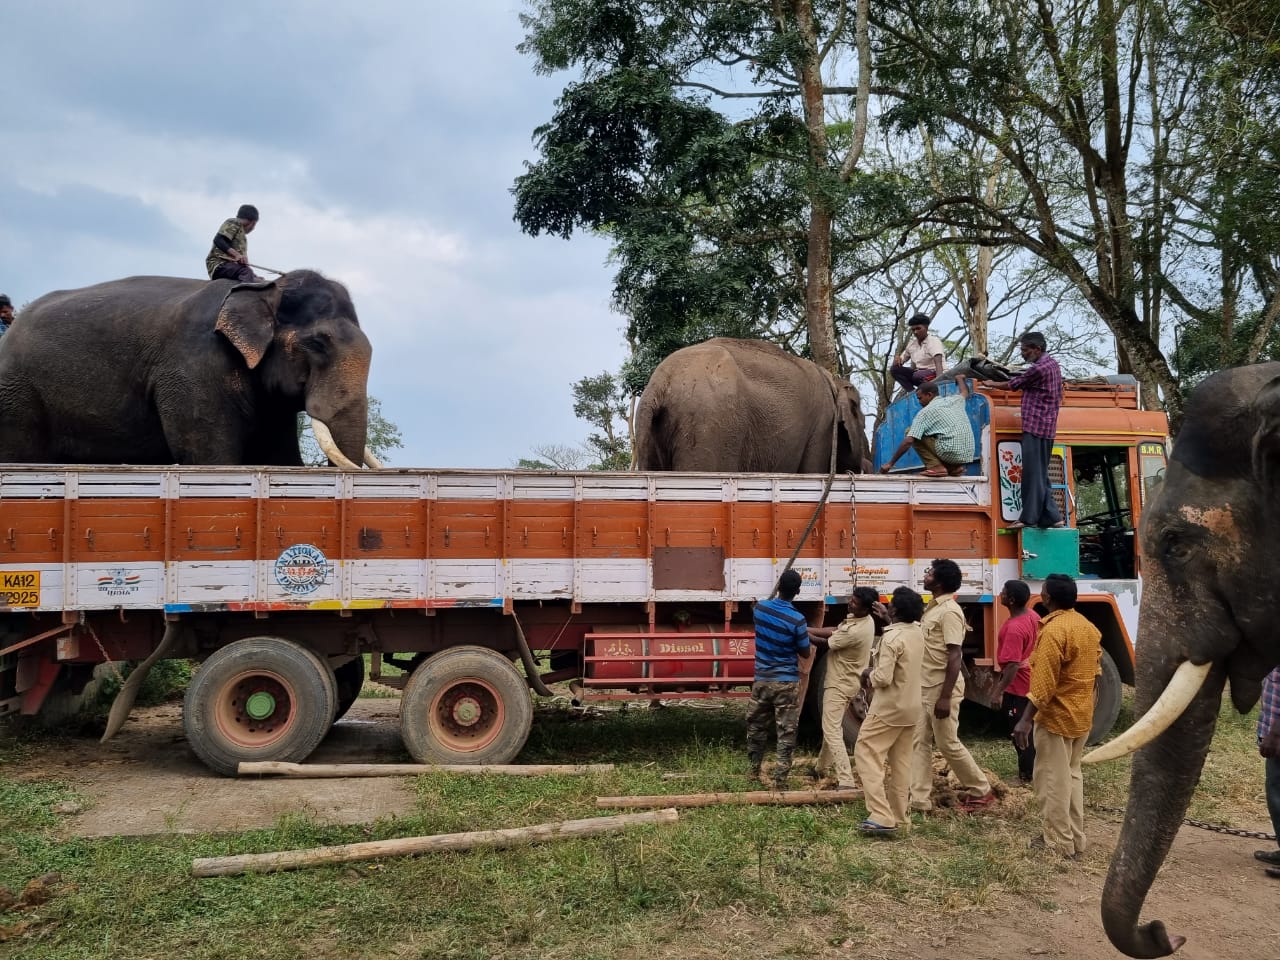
(778, 881)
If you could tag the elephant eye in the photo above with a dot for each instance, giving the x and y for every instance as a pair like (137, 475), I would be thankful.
(316, 344)
(1178, 549)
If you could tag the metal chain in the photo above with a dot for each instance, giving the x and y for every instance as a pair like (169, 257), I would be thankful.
(1205, 825)
(853, 529)
(106, 657)
(1231, 831)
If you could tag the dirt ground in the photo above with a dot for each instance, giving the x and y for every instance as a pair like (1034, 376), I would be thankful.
(146, 781)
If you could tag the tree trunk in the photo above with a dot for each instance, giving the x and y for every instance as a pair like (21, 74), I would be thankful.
(409, 846)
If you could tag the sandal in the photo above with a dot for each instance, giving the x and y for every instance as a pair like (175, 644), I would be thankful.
(973, 804)
(873, 829)
(955, 471)
(935, 472)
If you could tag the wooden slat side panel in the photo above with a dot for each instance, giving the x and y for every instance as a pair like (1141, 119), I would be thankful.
(618, 529)
(881, 530)
(791, 519)
(690, 524)
(752, 531)
(540, 529)
(386, 529)
(287, 522)
(953, 534)
(214, 528)
(31, 531)
(469, 529)
(117, 530)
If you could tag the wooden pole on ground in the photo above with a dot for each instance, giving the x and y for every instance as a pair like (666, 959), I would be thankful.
(319, 770)
(783, 798)
(410, 846)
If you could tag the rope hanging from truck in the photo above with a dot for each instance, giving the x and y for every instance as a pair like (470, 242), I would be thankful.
(826, 489)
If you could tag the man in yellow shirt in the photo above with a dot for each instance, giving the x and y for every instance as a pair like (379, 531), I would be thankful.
(1064, 669)
(848, 654)
(888, 733)
(941, 690)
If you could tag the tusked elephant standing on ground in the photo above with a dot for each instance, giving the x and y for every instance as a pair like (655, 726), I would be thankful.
(1210, 549)
(162, 370)
(747, 406)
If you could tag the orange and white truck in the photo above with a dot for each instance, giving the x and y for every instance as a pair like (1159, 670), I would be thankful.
(480, 584)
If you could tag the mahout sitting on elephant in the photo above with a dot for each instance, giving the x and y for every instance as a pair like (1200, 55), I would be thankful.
(747, 406)
(162, 370)
(1210, 548)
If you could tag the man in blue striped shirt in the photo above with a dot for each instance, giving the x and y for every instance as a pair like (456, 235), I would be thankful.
(782, 638)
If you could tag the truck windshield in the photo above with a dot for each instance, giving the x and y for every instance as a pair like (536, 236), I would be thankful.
(1104, 513)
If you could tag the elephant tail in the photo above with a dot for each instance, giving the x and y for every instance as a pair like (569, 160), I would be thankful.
(653, 449)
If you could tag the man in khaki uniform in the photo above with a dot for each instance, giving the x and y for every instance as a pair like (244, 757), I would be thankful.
(941, 690)
(848, 654)
(1064, 668)
(888, 733)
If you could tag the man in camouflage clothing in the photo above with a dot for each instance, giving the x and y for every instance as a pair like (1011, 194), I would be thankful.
(782, 638)
(229, 257)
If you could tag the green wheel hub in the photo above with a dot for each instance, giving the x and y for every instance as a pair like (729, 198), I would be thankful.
(260, 705)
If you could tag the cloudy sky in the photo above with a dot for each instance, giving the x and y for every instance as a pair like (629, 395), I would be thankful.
(378, 139)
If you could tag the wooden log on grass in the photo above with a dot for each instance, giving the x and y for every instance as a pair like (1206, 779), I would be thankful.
(781, 798)
(325, 770)
(411, 846)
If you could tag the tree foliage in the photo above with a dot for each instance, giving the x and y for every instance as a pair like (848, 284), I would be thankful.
(1103, 161)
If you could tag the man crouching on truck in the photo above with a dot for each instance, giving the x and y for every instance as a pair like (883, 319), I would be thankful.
(782, 638)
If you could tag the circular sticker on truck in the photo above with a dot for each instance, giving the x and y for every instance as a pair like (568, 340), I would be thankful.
(301, 569)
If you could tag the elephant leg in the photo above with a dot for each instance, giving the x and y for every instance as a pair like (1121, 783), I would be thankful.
(24, 435)
(199, 429)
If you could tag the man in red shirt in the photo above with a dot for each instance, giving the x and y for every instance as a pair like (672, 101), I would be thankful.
(1017, 640)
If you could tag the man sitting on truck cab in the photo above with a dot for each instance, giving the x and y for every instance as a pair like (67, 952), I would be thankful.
(940, 433)
(924, 351)
(782, 638)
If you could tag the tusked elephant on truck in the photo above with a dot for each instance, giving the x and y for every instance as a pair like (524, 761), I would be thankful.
(163, 370)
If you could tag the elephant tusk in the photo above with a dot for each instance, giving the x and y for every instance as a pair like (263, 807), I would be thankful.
(325, 438)
(370, 460)
(1182, 689)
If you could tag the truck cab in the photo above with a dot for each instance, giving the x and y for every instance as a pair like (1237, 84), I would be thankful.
(1108, 457)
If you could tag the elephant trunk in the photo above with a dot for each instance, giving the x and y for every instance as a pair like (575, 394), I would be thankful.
(342, 435)
(1165, 773)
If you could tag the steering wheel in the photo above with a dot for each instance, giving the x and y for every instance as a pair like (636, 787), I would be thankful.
(1097, 518)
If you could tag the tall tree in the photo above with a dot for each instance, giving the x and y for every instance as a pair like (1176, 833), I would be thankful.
(637, 148)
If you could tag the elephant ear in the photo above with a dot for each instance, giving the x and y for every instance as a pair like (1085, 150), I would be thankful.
(1266, 438)
(247, 318)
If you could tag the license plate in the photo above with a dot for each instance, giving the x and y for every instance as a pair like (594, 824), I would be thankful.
(20, 588)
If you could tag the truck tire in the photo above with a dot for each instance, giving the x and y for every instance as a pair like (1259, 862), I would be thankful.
(466, 705)
(1106, 700)
(261, 698)
(350, 680)
(811, 709)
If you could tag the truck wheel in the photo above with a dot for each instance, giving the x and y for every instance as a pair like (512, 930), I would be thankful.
(1106, 700)
(466, 705)
(261, 698)
(811, 709)
(350, 680)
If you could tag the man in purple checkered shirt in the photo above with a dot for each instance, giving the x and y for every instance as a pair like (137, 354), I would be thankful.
(1269, 747)
(1041, 386)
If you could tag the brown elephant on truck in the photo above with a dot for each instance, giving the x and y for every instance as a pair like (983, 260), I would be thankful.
(747, 406)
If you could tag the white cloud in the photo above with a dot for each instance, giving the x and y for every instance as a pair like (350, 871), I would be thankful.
(379, 144)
